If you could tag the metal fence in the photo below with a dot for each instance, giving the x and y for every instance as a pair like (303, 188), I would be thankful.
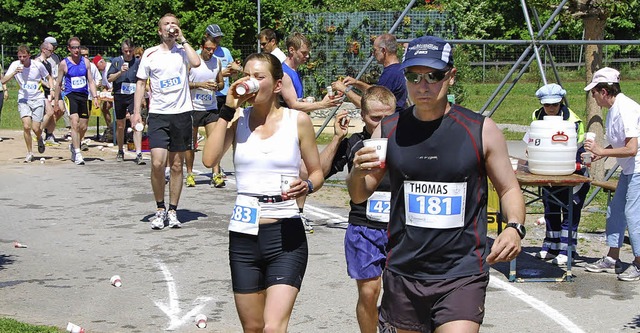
(485, 56)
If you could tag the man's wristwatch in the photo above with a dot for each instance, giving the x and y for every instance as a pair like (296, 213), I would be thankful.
(310, 186)
(522, 231)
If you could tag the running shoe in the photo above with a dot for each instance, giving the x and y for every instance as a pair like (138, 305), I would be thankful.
(172, 216)
(167, 174)
(139, 160)
(307, 223)
(50, 141)
(73, 152)
(218, 181)
(606, 264)
(120, 156)
(545, 255)
(191, 180)
(79, 160)
(158, 221)
(28, 158)
(40, 145)
(84, 146)
(632, 273)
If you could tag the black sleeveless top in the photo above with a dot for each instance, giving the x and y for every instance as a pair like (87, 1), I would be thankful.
(429, 158)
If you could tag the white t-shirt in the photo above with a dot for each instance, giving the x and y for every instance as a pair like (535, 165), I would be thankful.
(279, 54)
(623, 121)
(29, 80)
(95, 74)
(167, 72)
(204, 99)
(105, 82)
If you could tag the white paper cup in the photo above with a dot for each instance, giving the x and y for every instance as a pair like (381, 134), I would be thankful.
(73, 328)
(514, 163)
(248, 87)
(381, 149)
(310, 99)
(116, 281)
(201, 321)
(586, 158)
(285, 183)
(329, 91)
(139, 127)
(125, 66)
(589, 136)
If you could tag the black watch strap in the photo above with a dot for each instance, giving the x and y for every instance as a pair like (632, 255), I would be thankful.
(522, 231)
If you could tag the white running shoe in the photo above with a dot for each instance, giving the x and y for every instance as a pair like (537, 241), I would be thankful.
(79, 160)
(172, 216)
(29, 158)
(158, 221)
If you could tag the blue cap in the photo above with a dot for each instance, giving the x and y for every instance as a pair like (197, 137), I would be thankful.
(214, 30)
(550, 93)
(428, 51)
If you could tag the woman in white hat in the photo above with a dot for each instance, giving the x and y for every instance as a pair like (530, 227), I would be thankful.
(555, 243)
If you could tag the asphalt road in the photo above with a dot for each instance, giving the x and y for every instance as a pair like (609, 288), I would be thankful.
(83, 225)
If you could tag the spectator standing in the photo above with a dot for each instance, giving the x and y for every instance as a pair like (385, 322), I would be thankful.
(555, 244)
(269, 43)
(622, 130)
(170, 124)
(385, 50)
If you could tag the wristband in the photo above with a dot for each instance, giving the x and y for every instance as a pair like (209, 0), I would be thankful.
(227, 112)
(310, 185)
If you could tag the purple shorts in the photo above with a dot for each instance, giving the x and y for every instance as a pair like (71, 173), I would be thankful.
(365, 251)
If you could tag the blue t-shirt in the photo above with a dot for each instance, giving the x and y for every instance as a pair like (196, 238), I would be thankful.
(295, 78)
(392, 77)
(225, 57)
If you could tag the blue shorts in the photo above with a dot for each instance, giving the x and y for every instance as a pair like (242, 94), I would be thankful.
(365, 251)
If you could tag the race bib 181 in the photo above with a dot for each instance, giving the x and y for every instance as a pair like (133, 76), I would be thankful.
(435, 205)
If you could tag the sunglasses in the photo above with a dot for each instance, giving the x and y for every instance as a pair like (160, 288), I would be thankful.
(433, 77)
(74, 47)
(553, 104)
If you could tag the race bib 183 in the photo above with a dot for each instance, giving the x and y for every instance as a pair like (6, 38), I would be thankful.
(245, 217)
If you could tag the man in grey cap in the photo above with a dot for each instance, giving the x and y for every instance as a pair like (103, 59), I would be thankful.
(438, 157)
(54, 55)
(229, 67)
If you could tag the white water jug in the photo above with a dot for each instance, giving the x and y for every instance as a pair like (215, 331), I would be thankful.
(552, 146)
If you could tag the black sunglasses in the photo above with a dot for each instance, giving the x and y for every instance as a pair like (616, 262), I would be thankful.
(433, 77)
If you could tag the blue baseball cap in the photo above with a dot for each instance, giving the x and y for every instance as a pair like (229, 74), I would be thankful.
(428, 51)
(550, 93)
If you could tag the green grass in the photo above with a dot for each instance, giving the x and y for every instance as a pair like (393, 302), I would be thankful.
(12, 326)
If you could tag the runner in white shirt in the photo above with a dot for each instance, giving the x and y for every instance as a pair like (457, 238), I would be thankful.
(30, 96)
(204, 81)
(169, 122)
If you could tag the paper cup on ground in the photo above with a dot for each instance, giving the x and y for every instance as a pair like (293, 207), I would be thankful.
(285, 183)
(589, 136)
(73, 328)
(116, 281)
(381, 149)
(201, 321)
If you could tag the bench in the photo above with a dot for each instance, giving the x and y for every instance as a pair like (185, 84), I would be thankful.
(608, 186)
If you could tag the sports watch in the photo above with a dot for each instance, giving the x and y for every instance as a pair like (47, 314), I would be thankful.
(519, 227)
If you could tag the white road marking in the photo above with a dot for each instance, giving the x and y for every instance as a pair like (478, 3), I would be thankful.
(537, 304)
(172, 309)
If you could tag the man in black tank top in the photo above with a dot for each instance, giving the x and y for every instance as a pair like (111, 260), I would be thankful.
(365, 240)
(438, 158)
